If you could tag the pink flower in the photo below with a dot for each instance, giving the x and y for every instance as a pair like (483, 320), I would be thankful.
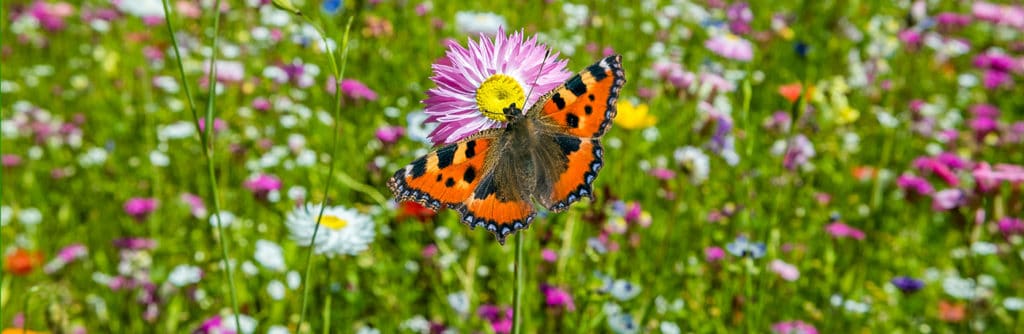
(389, 134)
(915, 185)
(140, 208)
(353, 88)
(841, 230)
(262, 184)
(731, 46)
(794, 327)
(429, 251)
(218, 125)
(51, 15)
(228, 71)
(505, 65)
(785, 270)
(714, 253)
(196, 205)
(548, 255)
(1002, 172)
(1010, 226)
(663, 174)
(66, 255)
(556, 298)
(948, 199)
(10, 160)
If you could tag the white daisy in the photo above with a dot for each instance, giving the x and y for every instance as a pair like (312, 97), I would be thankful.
(342, 230)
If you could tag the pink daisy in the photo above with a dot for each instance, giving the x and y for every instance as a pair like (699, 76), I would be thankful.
(475, 84)
(731, 46)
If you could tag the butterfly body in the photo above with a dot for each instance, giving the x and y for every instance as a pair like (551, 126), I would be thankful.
(549, 155)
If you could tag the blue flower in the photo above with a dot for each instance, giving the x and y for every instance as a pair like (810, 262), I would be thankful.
(332, 6)
(743, 247)
(907, 284)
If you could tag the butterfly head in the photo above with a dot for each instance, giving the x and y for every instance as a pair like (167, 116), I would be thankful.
(512, 113)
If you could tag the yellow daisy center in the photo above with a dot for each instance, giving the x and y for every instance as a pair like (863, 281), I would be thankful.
(333, 222)
(497, 93)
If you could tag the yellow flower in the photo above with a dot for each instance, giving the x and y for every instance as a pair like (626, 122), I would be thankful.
(634, 116)
(847, 115)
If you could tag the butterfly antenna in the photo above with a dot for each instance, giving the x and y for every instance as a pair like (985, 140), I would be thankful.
(541, 72)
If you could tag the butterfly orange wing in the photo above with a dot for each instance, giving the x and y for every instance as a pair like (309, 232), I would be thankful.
(445, 177)
(585, 105)
(458, 176)
(583, 108)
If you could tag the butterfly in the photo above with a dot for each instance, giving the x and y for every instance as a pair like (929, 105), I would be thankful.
(551, 155)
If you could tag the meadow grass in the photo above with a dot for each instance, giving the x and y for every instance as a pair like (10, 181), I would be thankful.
(72, 93)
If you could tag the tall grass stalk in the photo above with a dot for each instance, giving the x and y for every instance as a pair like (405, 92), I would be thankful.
(339, 73)
(517, 289)
(204, 139)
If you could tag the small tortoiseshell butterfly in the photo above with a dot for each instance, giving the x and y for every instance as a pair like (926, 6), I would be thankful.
(550, 155)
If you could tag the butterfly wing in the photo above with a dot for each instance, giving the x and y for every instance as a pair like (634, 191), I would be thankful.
(585, 105)
(463, 176)
(581, 110)
(447, 176)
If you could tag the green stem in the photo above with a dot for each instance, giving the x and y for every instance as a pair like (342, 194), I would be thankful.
(517, 291)
(204, 138)
(338, 74)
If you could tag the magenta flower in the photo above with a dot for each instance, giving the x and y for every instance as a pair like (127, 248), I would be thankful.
(51, 15)
(262, 184)
(219, 125)
(500, 318)
(140, 208)
(731, 46)
(914, 185)
(66, 255)
(130, 243)
(10, 160)
(196, 205)
(990, 177)
(794, 327)
(1010, 226)
(740, 17)
(714, 254)
(389, 134)
(841, 230)
(785, 270)
(662, 173)
(557, 298)
(475, 84)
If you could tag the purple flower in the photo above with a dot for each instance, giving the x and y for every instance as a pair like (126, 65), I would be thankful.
(841, 230)
(995, 79)
(134, 243)
(794, 327)
(389, 134)
(985, 110)
(948, 199)
(740, 17)
(743, 247)
(140, 208)
(914, 185)
(907, 284)
(475, 84)
(952, 20)
(66, 255)
(262, 184)
(197, 207)
(548, 255)
(500, 318)
(557, 298)
(731, 46)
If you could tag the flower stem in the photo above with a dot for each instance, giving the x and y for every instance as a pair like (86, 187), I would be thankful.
(204, 139)
(517, 290)
(338, 73)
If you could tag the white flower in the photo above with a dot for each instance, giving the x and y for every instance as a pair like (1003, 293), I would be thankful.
(983, 248)
(694, 162)
(417, 324)
(1013, 303)
(248, 323)
(177, 130)
(624, 290)
(141, 8)
(278, 329)
(93, 157)
(367, 330)
(183, 275)
(294, 279)
(575, 15)
(30, 216)
(276, 290)
(960, 288)
(669, 328)
(473, 23)
(5, 215)
(270, 255)
(460, 302)
(226, 218)
(159, 159)
(342, 230)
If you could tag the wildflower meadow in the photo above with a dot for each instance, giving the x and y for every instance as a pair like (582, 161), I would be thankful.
(542, 166)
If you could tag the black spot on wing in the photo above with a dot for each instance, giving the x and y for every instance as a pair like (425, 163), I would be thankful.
(591, 97)
(450, 182)
(438, 177)
(576, 86)
(568, 144)
(572, 120)
(597, 71)
(469, 175)
(470, 149)
(419, 167)
(588, 109)
(445, 156)
(558, 100)
(485, 188)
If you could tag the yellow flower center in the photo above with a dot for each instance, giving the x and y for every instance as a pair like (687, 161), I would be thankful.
(333, 222)
(497, 93)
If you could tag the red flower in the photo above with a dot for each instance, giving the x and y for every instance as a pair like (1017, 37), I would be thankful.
(22, 262)
(416, 211)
